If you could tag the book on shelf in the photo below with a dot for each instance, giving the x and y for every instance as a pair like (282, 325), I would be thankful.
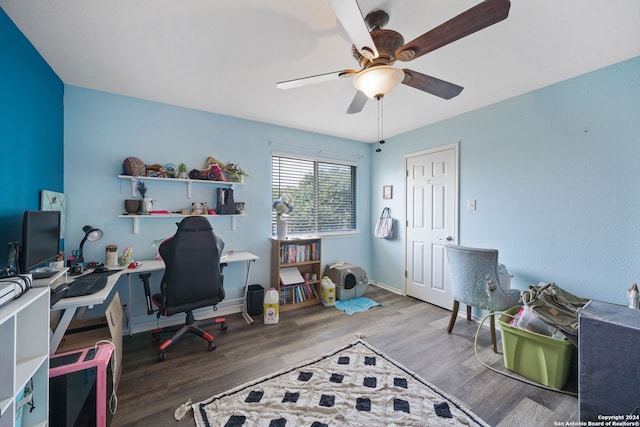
(295, 294)
(293, 252)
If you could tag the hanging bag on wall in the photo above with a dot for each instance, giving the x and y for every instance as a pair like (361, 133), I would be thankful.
(384, 225)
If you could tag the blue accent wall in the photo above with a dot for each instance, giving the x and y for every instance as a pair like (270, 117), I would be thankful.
(31, 130)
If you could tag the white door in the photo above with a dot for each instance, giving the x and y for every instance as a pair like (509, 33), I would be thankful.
(432, 222)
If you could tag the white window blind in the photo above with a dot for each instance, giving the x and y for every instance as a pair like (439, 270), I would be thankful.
(323, 193)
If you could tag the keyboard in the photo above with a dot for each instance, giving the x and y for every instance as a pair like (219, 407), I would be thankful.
(88, 284)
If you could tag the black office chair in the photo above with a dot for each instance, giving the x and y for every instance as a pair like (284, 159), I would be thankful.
(192, 279)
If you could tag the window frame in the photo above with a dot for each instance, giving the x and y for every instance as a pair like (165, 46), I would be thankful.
(319, 159)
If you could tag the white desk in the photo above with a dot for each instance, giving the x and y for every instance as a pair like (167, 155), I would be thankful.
(69, 306)
(156, 265)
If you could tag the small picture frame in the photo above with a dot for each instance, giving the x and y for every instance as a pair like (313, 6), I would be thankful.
(387, 192)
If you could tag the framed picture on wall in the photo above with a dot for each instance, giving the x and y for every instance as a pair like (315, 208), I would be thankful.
(387, 192)
(54, 201)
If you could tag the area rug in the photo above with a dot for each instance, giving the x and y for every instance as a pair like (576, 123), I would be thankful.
(353, 386)
(355, 305)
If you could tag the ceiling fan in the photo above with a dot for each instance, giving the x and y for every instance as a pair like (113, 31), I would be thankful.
(377, 49)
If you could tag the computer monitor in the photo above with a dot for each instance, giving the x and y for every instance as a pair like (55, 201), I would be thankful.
(40, 239)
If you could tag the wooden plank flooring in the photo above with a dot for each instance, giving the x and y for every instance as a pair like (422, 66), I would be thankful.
(409, 331)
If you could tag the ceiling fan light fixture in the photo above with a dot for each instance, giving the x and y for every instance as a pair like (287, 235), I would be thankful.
(378, 81)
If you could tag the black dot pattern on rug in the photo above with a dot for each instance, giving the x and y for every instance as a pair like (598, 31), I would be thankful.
(235, 421)
(336, 378)
(363, 404)
(442, 410)
(327, 400)
(348, 386)
(370, 382)
(305, 376)
(254, 396)
(290, 397)
(400, 382)
(401, 405)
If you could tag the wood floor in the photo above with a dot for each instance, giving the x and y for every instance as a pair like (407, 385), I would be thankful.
(410, 331)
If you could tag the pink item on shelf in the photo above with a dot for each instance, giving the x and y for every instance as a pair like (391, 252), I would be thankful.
(159, 212)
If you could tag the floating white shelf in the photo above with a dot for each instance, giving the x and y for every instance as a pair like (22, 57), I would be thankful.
(189, 182)
(137, 218)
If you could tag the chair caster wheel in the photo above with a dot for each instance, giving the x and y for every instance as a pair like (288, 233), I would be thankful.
(224, 326)
(212, 346)
(162, 356)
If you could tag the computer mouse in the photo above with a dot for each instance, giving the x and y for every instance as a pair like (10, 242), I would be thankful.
(100, 269)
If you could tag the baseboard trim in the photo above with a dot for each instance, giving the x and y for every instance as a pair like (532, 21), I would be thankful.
(387, 287)
(153, 322)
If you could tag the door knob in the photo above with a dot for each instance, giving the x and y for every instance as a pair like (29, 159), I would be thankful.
(449, 238)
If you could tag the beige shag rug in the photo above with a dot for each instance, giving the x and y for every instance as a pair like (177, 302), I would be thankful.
(352, 386)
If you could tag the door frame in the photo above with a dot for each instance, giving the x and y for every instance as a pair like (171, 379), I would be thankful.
(456, 196)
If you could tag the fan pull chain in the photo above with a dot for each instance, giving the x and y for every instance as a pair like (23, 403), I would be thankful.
(380, 123)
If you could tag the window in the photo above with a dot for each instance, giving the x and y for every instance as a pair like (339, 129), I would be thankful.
(323, 193)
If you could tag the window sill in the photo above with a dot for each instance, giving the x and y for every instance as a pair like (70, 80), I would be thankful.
(326, 235)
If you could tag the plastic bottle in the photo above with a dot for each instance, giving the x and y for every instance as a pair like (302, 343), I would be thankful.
(271, 307)
(328, 292)
(634, 296)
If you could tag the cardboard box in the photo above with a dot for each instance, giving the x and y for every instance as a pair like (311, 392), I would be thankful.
(87, 333)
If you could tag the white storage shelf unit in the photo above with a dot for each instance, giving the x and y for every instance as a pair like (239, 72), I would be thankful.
(24, 337)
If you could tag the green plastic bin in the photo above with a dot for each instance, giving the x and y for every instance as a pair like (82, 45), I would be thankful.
(538, 357)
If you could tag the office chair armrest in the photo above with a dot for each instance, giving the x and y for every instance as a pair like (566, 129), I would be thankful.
(221, 291)
(147, 292)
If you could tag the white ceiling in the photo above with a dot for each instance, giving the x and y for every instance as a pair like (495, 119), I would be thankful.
(226, 56)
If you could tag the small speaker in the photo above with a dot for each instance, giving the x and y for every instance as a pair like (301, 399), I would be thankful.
(225, 205)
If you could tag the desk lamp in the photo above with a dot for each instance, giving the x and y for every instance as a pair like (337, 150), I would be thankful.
(91, 234)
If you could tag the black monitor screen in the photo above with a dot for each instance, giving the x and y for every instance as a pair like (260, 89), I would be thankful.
(40, 238)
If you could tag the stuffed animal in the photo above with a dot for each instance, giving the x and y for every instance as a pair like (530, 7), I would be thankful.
(197, 208)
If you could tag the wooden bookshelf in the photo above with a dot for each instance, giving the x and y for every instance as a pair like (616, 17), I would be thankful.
(305, 256)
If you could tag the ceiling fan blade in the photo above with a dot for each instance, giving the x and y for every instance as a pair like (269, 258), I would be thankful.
(320, 78)
(349, 14)
(431, 85)
(478, 17)
(358, 102)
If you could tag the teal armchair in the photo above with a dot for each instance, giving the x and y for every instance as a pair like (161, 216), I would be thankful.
(475, 281)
